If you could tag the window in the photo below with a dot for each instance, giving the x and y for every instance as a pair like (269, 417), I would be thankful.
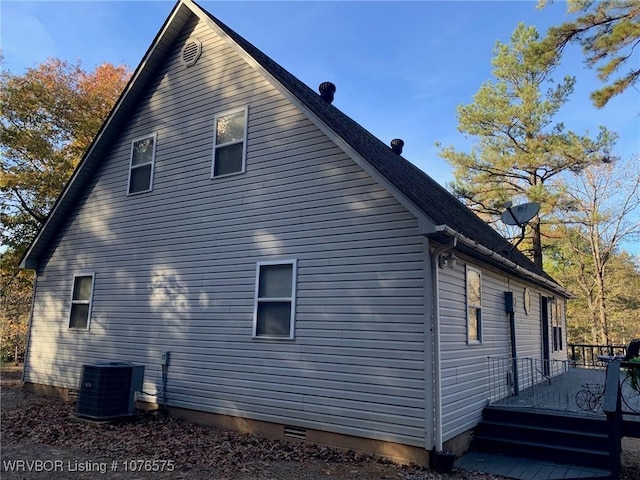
(143, 152)
(474, 305)
(275, 304)
(81, 301)
(557, 316)
(229, 143)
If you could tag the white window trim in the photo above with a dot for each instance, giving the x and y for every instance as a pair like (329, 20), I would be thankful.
(244, 141)
(73, 302)
(471, 341)
(153, 162)
(292, 299)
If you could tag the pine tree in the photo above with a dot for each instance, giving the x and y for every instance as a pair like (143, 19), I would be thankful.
(519, 147)
(609, 33)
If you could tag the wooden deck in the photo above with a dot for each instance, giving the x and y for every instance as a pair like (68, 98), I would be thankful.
(523, 468)
(564, 395)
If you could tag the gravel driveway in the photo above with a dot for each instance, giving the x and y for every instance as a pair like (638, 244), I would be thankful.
(40, 441)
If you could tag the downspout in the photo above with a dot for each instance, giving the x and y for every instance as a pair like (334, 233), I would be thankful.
(514, 352)
(437, 375)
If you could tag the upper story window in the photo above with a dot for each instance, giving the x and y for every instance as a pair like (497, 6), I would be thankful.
(143, 153)
(474, 305)
(81, 297)
(275, 299)
(229, 150)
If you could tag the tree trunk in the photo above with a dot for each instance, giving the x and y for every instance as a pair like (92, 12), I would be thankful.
(536, 241)
(596, 331)
(603, 317)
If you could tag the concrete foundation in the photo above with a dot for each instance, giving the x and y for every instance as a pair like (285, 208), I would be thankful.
(403, 454)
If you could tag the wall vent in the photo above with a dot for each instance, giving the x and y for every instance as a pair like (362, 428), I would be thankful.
(191, 51)
(295, 432)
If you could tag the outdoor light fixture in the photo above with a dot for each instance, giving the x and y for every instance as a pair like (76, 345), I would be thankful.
(450, 260)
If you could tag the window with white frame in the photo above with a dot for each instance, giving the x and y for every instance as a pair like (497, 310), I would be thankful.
(557, 316)
(81, 296)
(474, 305)
(275, 299)
(229, 150)
(143, 153)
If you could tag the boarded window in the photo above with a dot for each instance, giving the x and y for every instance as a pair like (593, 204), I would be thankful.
(474, 305)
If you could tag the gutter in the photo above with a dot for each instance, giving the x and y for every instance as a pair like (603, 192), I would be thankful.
(447, 230)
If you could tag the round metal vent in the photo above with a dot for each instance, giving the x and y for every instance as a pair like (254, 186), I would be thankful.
(191, 51)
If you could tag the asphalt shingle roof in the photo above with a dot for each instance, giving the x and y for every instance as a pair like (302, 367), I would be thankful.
(433, 199)
(424, 192)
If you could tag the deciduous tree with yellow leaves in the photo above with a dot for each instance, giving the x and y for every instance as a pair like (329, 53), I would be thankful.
(49, 118)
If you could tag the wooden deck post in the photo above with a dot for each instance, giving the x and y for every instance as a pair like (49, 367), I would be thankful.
(613, 410)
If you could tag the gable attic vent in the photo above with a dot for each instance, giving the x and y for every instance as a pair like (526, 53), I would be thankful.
(191, 52)
(396, 146)
(327, 89)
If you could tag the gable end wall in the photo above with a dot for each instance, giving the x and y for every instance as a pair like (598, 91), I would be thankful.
(175, 267)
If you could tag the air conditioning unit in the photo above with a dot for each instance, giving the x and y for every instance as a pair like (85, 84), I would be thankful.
(107, 389)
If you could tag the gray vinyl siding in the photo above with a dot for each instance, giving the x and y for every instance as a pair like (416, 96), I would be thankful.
(465, 367)
(175, 267)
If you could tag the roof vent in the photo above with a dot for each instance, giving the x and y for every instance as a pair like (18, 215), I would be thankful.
(191, 51)
(396, 146)
(327, 89)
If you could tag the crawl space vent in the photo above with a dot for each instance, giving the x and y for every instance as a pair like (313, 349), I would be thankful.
(295, 432)
(191, 51)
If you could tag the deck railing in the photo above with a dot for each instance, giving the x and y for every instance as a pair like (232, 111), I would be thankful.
(613, 393)
(587, 355)
(558, 385)
(528, 381)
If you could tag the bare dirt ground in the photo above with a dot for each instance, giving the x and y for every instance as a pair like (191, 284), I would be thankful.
(39, 434)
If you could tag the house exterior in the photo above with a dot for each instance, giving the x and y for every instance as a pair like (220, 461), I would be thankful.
(297, 270)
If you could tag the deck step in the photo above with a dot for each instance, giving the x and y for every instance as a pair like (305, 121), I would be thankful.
(540, 451)
(545, 435)
(552, 418)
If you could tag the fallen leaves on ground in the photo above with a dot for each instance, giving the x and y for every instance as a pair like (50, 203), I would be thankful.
(155, 436)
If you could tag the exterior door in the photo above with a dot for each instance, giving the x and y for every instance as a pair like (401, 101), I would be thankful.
(544, 316)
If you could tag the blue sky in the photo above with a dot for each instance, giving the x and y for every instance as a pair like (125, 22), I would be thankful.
(401, 68)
